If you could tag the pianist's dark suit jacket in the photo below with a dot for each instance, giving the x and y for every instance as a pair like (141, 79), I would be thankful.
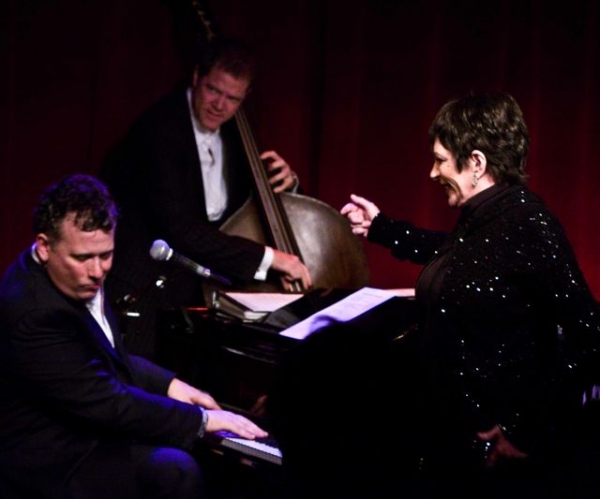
(155, 176)
(66, 396)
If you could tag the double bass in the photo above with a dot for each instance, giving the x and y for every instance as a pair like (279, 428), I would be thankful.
(293, 223)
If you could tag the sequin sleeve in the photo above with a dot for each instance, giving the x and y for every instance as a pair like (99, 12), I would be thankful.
(405, 240)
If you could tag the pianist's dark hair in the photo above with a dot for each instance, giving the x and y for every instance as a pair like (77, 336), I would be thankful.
(230, 54)
(82, 195)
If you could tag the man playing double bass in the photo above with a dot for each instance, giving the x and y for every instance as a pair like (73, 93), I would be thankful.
(179, 173)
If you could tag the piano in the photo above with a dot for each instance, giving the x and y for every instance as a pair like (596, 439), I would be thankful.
(240, 362)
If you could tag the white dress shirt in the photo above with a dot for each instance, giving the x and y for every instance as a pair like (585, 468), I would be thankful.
(210, 152)
(96, 308)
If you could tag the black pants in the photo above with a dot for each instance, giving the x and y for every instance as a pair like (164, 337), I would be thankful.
(148, 473)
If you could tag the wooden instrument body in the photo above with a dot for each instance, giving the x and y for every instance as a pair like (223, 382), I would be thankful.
(334, 256)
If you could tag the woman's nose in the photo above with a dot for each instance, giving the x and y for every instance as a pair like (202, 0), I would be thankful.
(435, 172)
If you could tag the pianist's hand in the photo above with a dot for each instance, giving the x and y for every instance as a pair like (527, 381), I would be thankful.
(183, 392)
(235, 423)
(259, 409)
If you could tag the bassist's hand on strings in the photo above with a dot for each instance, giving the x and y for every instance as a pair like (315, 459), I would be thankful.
(292, 270)
(281, 176)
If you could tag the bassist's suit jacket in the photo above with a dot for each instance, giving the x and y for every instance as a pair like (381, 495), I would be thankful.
(155, 176)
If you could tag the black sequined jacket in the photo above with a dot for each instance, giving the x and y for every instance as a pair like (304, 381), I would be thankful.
(508, 329)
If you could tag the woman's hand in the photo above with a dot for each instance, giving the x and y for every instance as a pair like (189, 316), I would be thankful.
(360, 213)
(500, 448)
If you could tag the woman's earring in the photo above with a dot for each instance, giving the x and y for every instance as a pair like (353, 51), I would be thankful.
(475, 180)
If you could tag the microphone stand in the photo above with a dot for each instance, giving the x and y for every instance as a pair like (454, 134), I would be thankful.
(125, 305)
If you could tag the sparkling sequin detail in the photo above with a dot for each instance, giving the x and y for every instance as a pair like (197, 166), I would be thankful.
(509, 331)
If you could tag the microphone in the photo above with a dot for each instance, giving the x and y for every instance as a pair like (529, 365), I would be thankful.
(162, 252)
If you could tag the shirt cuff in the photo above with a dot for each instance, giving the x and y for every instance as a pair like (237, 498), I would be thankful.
(265, 265)
(202, 430)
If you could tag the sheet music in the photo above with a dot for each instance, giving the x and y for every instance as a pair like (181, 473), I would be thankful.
(348, 308)
(263, 302)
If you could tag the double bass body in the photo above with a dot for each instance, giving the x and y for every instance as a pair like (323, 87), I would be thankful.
(326, 245)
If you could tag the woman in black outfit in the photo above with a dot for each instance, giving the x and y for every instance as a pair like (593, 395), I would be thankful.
(508, 328)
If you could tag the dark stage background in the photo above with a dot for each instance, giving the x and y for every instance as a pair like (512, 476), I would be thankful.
(346, 92)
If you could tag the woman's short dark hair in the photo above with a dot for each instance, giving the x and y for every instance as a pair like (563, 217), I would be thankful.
(79, 194)
(491, 122)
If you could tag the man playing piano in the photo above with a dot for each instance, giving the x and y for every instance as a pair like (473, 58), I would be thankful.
(79, 416)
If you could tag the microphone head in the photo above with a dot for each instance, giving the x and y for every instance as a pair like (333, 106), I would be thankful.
(160, 250)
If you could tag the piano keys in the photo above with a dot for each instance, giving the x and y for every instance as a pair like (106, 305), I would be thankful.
(264, 449)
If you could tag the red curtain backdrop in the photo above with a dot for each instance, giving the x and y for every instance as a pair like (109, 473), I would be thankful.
(345, 93)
